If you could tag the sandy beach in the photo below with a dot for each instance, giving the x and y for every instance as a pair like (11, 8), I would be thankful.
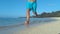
(49, 28)
(52, 27)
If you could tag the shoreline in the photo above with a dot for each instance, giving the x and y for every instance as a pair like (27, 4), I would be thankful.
(49, 27)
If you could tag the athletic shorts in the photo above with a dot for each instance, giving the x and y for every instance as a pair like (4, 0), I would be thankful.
(32, 6)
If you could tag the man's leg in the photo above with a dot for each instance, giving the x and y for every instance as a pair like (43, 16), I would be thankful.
(34, 11)
(28, 16)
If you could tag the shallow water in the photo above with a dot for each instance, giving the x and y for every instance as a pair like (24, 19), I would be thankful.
(14, 22)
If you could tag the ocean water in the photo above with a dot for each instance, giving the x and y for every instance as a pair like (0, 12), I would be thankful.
(11, 21)
(20, 21)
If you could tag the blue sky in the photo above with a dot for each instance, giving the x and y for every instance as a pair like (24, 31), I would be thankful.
(17, 8)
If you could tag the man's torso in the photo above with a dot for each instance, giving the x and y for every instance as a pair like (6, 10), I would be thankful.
(32, 0)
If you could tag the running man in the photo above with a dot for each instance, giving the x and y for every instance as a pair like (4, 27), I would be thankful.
(31, 5)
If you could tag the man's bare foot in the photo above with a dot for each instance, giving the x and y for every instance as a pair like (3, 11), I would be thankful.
(26, 22)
